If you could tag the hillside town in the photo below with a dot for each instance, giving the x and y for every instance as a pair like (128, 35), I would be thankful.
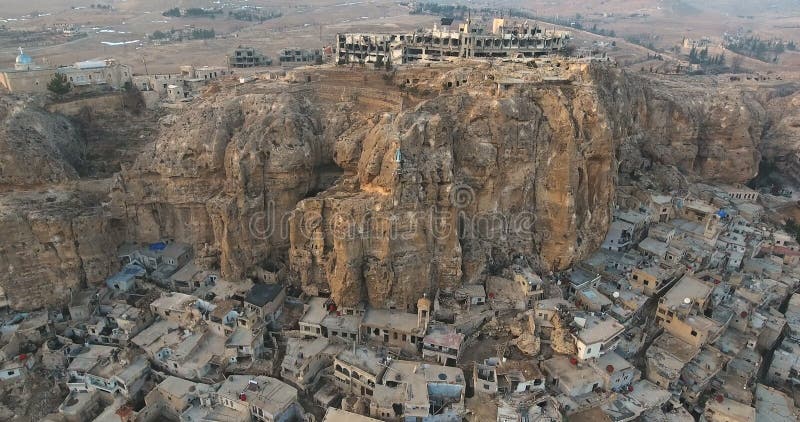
(688, 311)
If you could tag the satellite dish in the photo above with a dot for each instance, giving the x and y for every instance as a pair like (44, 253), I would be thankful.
(616, 295)
(687, 300)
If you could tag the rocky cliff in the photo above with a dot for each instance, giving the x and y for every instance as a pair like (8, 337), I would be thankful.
(677, 128)
(57, 231)
(382, 186)
(443, 174)
(53, 242)
(36, 147)
(436, 186)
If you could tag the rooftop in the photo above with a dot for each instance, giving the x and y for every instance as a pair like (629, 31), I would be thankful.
(158, 335)
(261, 294)
(364, 358)
(270, 394)
(612, 358)
(774, 406)
(173, 301)
(591, 294)
(444, 336)
(578, 276)
(674, 346)
(89, 356)
(177, 387)
(597, 329)
(403, 322)
(316, 311)
(522, 370)
(571, 375)
(686, 287)
(653, 246)
(337, 415)
(342, 323)
(729, 409)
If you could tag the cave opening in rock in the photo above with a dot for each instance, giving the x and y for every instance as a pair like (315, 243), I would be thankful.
(327, 174)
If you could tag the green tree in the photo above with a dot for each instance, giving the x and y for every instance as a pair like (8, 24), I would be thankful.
(58, 85)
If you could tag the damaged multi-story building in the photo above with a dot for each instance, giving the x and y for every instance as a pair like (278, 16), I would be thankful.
(447, 42)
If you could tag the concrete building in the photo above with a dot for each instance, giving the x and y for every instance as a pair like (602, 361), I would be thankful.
(504, 40)
(100, 73)
(26, 76)
(125, 280)
(597, 334)
(651, 279)
(173, 397)
(619, 237)
(721, 409)
(306, 358)
(315, 312)
(571, 378)
(100, 368)
(520, 377)
(244, 57)
(617, 372)
(774, 406)
(785, 367)
(293, 57)
(411, 389)
(261, 398)
(265, 301)
(395, 328)
(666, 358)
(358, 370)
(580, 279)
(338, 415)
(443, 344)
(680, 312)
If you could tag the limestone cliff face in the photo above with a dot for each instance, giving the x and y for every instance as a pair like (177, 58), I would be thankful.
(781, 144)
(706, 128)
(442, 174)
(36, 147)
(479, 179)
(383, 186)
(53, 242)
(451, 186)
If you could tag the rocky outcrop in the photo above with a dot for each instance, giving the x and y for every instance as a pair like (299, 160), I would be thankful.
(781, 146)
(383, 186)
(53, 243)
(36, 147)
(669, 127)
(444, 174)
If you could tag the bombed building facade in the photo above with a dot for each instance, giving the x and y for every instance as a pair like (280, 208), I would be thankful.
(504, 40)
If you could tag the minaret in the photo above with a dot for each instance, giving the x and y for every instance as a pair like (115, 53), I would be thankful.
(423, 311)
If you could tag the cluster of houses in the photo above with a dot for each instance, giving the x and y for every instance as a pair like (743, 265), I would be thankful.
(688, 311)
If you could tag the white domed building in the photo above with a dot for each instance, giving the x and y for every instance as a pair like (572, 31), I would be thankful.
(23, 62)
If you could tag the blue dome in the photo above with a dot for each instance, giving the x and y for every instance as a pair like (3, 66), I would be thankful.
(23, 58)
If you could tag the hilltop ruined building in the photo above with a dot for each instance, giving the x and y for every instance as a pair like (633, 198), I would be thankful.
(504, 40)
